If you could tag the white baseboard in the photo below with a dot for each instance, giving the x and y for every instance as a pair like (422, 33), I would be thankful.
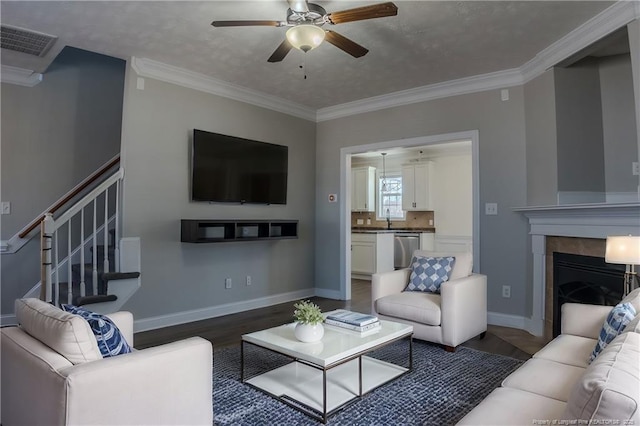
(507, 320)
(177, 318)
(9, 319)
(329, 294)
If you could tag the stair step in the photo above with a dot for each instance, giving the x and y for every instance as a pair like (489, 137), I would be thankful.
(86, 300)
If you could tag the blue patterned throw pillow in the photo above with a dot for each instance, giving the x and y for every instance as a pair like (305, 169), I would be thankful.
(428, 273)
(111, 342)
(616, 321)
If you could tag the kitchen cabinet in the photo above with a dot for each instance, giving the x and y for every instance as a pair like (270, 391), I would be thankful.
(416, 182)
(363, 189)
(371, 253)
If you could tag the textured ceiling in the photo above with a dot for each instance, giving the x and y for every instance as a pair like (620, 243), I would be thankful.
(428, 42)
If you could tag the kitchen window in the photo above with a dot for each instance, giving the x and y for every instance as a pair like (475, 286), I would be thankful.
(390, 197)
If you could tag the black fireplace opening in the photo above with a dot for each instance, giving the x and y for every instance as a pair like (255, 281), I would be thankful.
(584, 279)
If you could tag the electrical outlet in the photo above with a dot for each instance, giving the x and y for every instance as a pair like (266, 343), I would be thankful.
(506, 291)
(248, 279)
(491, 209)
(5, 207)
(227, 283)
(635, 168)
(368, 221)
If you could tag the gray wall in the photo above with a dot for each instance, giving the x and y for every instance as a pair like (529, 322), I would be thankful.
(501, 127)
(618, 123)
(179, 276)
(54, 135)
(579, 129)
(542, 157)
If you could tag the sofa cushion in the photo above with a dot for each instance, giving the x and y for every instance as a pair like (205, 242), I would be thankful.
(428, 273)
(67, 334)
(568, 349)
(507, 406)
(463, 266)
(610, 386)
(110, 341)
(633, 326)
(616, 321)
(423, 308)
(558, 382)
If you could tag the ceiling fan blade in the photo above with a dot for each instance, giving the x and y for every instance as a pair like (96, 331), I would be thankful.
(246, 23)
(367, 12)
(300, 6)
(341, 42)
(280, 52)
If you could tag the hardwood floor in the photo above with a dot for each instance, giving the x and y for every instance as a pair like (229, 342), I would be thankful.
(227, 330)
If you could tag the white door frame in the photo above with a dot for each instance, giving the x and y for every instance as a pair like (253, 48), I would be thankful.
(345, 200)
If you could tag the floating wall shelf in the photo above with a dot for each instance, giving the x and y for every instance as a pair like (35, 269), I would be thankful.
(219, 231)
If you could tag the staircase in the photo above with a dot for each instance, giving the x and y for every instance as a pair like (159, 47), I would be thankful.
(84, 259)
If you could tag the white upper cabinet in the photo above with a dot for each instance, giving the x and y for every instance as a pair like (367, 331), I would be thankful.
(416, 182)
(363, 186)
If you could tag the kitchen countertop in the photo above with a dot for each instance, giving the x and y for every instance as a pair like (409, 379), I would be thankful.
(357, 230)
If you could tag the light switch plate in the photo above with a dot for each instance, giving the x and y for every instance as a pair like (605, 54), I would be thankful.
(5, 207)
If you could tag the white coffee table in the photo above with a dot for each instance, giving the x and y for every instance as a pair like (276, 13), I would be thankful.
(326, 376)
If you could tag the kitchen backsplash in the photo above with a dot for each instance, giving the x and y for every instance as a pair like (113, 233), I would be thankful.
(417, 220)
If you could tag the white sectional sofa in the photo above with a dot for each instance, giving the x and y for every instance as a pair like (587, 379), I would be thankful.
(53, 373)
(559, 386)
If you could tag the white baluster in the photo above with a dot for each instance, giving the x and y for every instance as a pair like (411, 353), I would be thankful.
(69, 274)
(106, 230)
(95, 247)
(83, 291)
(57, 286)
(116, 242)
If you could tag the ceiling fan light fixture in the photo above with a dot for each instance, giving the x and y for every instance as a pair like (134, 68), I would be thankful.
(305, 37)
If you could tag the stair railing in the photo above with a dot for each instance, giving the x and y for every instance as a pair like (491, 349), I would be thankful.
(86, 224)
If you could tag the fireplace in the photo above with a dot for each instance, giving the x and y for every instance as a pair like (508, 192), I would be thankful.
(584, 279)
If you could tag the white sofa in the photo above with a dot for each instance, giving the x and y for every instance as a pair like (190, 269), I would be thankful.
(53, 374)
(452, 317)
(559, 386)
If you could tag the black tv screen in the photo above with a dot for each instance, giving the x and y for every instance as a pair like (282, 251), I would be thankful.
(228, 169)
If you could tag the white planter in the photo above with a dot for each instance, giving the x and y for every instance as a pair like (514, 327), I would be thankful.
(309, 333)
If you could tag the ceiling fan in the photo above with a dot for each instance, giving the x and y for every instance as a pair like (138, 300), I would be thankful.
(306, 21)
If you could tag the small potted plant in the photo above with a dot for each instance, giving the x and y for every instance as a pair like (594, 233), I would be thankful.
(309, 321)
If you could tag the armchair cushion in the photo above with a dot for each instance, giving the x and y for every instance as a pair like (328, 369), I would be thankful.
(423, 308)
(428, 273)
(110, 340)
(67, 334)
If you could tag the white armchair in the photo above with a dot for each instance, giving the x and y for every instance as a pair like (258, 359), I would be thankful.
(452, 317)
(53, 373)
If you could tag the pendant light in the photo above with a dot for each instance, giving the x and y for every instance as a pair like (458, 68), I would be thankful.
(384, 172)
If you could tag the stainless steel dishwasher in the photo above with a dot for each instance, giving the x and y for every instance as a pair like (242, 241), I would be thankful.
(404, 244)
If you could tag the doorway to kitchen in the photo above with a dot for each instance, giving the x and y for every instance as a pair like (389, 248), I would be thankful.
(399, 155)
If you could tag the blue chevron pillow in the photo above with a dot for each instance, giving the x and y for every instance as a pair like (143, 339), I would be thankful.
(428, 273)
(110, 340)
(621, 315)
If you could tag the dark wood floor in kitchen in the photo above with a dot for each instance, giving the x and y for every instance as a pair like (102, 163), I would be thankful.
(227, 330)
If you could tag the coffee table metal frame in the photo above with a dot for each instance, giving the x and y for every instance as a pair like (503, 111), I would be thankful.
(310, 411)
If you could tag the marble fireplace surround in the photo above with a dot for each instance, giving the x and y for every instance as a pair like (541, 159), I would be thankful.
(576, 229)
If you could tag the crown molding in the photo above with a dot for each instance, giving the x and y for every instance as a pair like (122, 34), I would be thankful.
(614, 17)
(462, 86)
(619, 14)
(19, 76)
(193, 80)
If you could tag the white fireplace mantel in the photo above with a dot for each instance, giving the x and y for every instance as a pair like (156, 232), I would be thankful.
(575, 220)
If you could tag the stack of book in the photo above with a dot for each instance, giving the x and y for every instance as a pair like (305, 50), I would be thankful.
(352, 321)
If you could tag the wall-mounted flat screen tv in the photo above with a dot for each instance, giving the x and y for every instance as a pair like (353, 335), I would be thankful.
(229, 169)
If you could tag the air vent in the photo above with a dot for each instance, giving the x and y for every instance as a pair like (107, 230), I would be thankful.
(25, 41)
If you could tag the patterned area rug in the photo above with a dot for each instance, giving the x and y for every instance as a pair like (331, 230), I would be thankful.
(440, 390)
